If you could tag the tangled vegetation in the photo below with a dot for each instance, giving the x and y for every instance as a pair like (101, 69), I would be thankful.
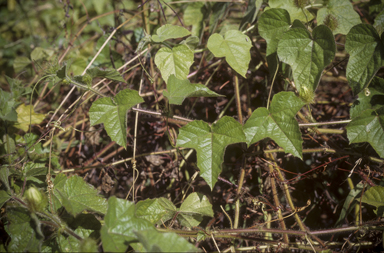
(215, 125)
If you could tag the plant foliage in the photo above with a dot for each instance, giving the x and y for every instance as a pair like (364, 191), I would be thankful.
(245, 119)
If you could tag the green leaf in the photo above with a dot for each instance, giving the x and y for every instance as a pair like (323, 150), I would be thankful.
(71, 244)
(4, 176)
(32, 170)
(368, 127)
(234, 47)
(367, 114)
(219, 11)
(4, 197)
(339, 16)
(7, 106)
(26, 116)
(379, 22)
(77, 196)
(178, 90)
(32, 142)
(40, 53)
(191, 42)
(272, 24)
(251, 14)
(372, 98)
(20, 63)
(348, 202)
(307, 54)
(109, 73)
(366, 49)
(23, 235)
(169, 31)
(154, 241)
(210, 143)
(175, 61)
(193, 209)
(113, 114)
(277, 123)
(375, 197)
(294, 11)
(155, 210)
(120, 223)
(194, 16)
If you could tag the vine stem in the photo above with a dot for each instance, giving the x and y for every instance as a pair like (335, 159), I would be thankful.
(134, 170)
(273, 81)
(276, 199)
(292, 206)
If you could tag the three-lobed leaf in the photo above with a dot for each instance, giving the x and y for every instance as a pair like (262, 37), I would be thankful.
(178, 90)
(155, 210)
(176, 61)
(277, 123)
(366, 51)
(26, 116)
(23, 236)
(7, 106)
(193, 209)
(372, 98)
(368, 127)
(294, 11)
(75, 195)
(234, 46)
(113, 114)
(210, 143)
(120, 223)
(374, 196)
(339, 16)
(307, 54)
(367, 114)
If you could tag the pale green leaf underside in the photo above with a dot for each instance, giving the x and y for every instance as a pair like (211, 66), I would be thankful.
(113, 114)
(176, 61)
(294, 11)
(374, 196)
(169, 31)
(193, 209)
(368, 127)
(365, 49)
(278, 123)
(210, 144)
(234, 47)
(307, 54)
(77, 196)
(342, 10)
(154, 241)
(178, 90)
